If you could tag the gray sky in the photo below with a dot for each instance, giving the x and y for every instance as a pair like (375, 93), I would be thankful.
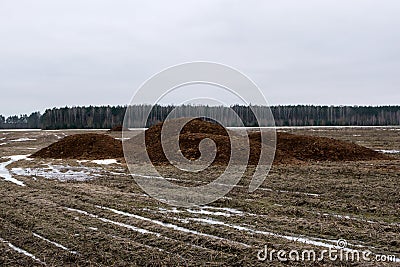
(80, 52)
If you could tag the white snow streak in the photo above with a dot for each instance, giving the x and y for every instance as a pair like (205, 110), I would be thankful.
(205, 210)
(130, 227)
(389, 151)
(105, 161)
(54, 243)
(22, 251)
(23, 140)
(4, 173)
(169, 225)
(304, 240)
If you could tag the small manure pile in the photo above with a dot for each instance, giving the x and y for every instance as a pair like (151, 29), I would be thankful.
(290, 148)
(313, 148)
(293, 147)
(83, 146)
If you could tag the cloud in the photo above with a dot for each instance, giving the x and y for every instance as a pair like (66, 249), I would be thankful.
(99, 52)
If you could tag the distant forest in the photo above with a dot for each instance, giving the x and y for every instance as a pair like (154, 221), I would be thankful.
(105, 117)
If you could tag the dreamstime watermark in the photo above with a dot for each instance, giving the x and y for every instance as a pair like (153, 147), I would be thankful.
(178, 77)
(340, 252)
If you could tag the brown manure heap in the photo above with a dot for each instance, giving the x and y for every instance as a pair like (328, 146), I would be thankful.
(314, 148)
(290, 148)
(189, 139)
(83, 146)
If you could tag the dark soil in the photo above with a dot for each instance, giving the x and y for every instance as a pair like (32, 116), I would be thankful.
(83, 146)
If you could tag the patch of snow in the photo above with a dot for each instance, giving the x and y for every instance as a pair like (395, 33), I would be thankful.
(19, 157)
(1, 144)
(54, 243)
(18, 171)
(94, 228)
(392, 151)
(23, 139)
(4, 173)
(60, 172)
(22, 251)
(105, 161)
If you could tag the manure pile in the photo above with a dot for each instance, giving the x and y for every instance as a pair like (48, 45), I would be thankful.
(83, 146)
(314, 148)
(189, 138)
(290, 148)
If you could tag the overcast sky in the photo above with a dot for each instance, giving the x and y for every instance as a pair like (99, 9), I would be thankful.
(81, 52)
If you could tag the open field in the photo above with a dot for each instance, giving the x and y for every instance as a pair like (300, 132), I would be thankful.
(69, 212)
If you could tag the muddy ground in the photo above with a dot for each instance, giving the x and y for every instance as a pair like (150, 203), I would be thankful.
(81, 213)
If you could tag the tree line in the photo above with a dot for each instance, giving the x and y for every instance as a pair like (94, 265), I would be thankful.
(105, 117)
